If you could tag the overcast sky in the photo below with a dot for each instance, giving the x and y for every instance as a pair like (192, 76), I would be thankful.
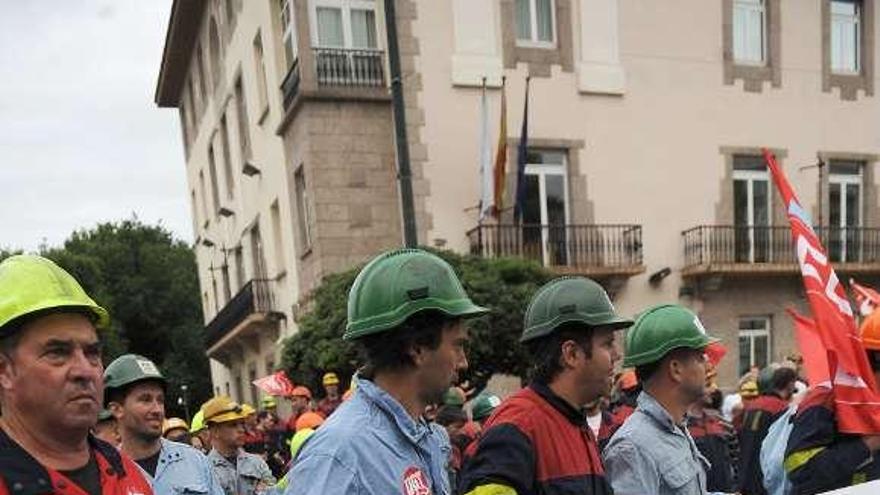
(81, 141)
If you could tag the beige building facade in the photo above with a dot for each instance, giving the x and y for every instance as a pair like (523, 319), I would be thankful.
(646, 121)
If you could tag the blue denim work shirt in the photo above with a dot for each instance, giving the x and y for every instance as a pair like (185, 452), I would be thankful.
(183, 470)
(249, 475)
(371, 445)
(652, 454)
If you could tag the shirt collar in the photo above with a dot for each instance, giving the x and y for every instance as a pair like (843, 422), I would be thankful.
(571, 413)
(649, 405)
(414, 430)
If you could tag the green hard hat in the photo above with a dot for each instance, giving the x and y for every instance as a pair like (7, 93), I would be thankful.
(765, 379)
(661, 329)
(104, 415)
(30, 283)
(128, 369)
(453, 397)
(483, 406)
(566, 300)
(198, 422)
(398, 284)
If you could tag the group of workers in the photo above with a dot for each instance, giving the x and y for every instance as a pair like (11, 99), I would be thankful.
(407, 311)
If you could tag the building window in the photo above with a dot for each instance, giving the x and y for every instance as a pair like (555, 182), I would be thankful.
(280, 264)
(252, 376)
(845, 210)
(238, 254)
(270, 364)
(345, 24)
(200, 74)
(195, 212)
(227, 284)
(214, 291)
(750, 31)
(184, 129)
(244, 136)
(212, 171)
(239, 391)
(304, 214)
(204, 194)
(258, 258)
(189, 102)
(751, 210)
(227, 162)
(535, 22)
(545, 212)
(845, 36)
(231, 17)
(754, 343)
(216, 57)
(288, 37)
(262, 91)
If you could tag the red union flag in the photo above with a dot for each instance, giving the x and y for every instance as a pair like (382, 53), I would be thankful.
(855, 398)
(275, 384)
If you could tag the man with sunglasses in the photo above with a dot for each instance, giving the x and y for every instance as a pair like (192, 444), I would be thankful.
(239, 473)
(653, 452)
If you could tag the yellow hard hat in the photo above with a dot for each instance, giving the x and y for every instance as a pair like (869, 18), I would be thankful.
(331, 379)
(269, 401)
(30, 284)
(222, 409)
(173, 424)
(198, 422)
(748, 390)
(247, 410)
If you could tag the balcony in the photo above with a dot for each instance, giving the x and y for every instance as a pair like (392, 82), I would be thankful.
(593, 250)
(248, 313)
(744, 250)
(338, 73)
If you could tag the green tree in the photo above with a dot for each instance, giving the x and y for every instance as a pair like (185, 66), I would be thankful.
(503, 285)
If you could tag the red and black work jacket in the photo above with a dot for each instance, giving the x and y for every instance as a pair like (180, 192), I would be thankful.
(21, 474)
(606, 429)
(757, 417)
(820, 458)
(712, 438)
(537, 444)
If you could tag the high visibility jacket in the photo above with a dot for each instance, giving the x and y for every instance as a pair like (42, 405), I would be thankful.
(757, 417)
(712, 437)
(21, 474)
(819, 458)
(534, 443)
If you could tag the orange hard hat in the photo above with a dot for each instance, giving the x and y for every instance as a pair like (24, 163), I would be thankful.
(627, 380)
(301, 391)
(310, 420)
(871, 332)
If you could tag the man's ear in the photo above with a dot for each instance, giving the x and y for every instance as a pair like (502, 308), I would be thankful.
(416, 353)
(115, 409)
(7, 371)
(568, 355)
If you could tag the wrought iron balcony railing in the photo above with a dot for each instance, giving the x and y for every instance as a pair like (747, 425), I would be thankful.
(256, 297)
(349, 67)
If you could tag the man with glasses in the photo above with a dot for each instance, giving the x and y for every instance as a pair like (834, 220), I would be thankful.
(239, 473)
(653, 452)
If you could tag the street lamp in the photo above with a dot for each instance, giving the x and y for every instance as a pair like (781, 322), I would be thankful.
(182, 400)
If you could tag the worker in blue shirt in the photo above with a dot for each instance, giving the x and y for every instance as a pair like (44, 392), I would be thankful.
(406, 310)
(135, 395)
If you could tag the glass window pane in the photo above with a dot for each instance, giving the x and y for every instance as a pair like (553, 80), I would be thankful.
(532, 206)
(330, 27)
(544, 15)
(761, 192)
(852, 205)
(363, 29)
(748, 162)
(533, 243)
(745, 354)
(834, 203)
(545, 157)
(523, 20)
(762, 350)
(748, 31)
(845, 167)
(555, 191)
(740, 202)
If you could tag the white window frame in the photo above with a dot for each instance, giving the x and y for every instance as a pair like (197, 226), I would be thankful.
(542, 170)
(288, 32)
(856, 21)
(845, 181)
(304, 211)
(534, 42)
(752, 333)
(751, 176)
(346, 6)
(750, 6)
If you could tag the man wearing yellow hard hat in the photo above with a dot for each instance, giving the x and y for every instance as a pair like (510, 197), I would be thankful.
(331, 399)
(51, 387)
(239, 473)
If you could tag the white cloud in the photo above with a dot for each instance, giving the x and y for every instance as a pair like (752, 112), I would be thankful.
(81, 140)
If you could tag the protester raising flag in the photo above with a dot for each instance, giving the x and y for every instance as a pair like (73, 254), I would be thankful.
(500, 172)
(867, 299)
(855, 398)
(487, 178)
(521, 159)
